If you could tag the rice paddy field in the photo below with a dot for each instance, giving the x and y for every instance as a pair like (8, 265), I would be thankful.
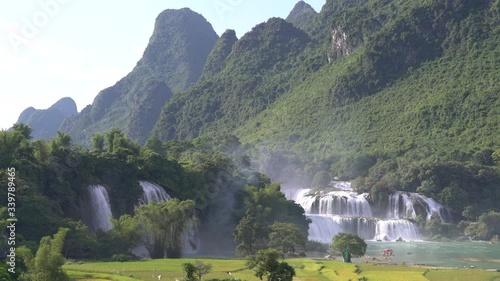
(306, 270)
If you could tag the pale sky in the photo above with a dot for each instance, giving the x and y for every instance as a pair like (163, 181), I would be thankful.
(50, 49)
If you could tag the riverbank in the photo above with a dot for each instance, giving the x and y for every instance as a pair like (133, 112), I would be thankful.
(306, 270)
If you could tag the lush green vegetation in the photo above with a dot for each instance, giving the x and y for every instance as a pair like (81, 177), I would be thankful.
(306, 270)
(211, 177)
(394, 95)
(302, 16)
(399, 95)
(350, 245)
(172, 62)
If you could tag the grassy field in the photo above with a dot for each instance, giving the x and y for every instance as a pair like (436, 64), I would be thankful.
(306, 269)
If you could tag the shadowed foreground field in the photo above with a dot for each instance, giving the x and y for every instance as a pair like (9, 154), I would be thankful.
(306, 269)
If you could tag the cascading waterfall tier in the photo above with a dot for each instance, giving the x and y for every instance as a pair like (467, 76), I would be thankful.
(99, 208)
(154, 193)
(332, 212)
(412, 205)
(342, 203)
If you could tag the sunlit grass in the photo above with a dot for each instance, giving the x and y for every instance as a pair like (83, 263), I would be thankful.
(306, 270)
(462, 275)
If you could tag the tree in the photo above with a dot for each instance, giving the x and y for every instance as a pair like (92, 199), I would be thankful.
(284, 272)
(48, 261)
(25, 130)
(321, 179)
(489, 225)
(189, 268)
(195, 271)
(98, 143)
(287, 238)
(249, 234)
(125, 233)
(79, 242)
(163, 224)
(350, 245)
(156, 145)
(265, 262)
(263, 207)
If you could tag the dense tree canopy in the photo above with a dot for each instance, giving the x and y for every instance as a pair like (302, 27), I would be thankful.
(350, 245)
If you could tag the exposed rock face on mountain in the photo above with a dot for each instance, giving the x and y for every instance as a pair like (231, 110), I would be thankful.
(45, 122)
(172, 61)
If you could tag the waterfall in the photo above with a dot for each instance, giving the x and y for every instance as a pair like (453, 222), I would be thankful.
(324, 227)
(412, 205)
(152, 193)
(343, 203)
(332, 212)
(390, 230)
(100, 209)
(400, 206)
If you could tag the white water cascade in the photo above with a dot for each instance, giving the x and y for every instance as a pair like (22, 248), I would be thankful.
(332, 212)
(152, 193)
(100, 209)
(155, 193)
(412, 205)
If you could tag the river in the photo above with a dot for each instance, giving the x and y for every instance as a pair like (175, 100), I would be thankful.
(443, 254)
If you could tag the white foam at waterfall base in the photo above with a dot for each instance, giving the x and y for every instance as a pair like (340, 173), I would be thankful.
(391, 230)
(324, 227)
(100, 208)
(152, 193)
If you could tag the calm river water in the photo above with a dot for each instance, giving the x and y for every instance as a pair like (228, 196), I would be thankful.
(444, 254)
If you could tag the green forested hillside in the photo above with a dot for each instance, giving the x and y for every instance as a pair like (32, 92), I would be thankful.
(256, 72)
(396, 95)
(172, 62)
(302, 16)
(390, 90)
(405, 75)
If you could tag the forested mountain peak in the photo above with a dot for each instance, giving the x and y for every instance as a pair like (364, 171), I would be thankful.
(172, 61)
(302, 15)
(178, 48)
(217, 59)
(246, 85)
(25, 115)
(268, 43)
(66, 105)
(45, 122)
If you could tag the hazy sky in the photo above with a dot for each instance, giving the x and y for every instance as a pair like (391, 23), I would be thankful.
(51, 49)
